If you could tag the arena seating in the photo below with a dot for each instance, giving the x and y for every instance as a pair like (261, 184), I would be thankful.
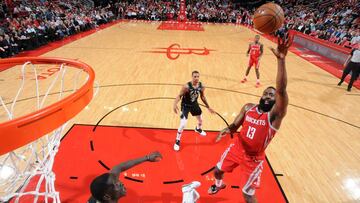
(26, 25)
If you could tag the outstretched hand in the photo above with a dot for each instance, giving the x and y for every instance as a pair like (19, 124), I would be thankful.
(222, 134)
(211, 110)
(283, 46)
(154, 157)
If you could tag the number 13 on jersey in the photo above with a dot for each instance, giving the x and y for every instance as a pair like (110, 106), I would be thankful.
(251, 132)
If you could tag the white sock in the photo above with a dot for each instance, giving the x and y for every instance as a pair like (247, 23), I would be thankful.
(258, 80)
(178, 136)
(218, 183)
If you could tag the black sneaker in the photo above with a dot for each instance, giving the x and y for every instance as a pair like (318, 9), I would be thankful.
(200, 131)
(177, 145)
(214, 189)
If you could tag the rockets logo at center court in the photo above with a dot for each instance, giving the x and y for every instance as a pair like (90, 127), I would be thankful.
(174, 51)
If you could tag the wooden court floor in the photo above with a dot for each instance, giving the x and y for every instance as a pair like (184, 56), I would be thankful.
(317, 147)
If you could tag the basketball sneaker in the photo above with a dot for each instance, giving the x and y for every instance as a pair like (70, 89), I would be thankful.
(244, 80)
(177, 145)
(257, 84)
(200, 131)
(214, 189)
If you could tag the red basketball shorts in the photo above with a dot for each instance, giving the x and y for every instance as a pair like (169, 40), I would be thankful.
(252, 167)
(254, 62)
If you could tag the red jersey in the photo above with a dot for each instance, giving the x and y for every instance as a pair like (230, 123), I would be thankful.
(256, 132)
(255, 50)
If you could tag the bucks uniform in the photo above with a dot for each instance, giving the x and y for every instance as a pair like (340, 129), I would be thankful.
(189, 104)
(189, 101)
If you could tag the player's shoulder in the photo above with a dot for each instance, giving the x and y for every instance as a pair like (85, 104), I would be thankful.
(248, 106)
(187, 85)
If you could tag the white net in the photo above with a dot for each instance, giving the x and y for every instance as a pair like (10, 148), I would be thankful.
(26, 173)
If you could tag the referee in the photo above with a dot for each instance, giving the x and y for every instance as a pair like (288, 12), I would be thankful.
(352, 64)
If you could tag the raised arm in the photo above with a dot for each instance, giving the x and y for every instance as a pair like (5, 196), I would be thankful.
(239, 119)
(183, 90)
(203, 98)
(116, 170)
(279, 110)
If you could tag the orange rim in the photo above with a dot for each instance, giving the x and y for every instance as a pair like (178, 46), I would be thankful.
(25, 129)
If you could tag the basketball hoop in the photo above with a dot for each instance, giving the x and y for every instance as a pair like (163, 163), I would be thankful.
(29, 142)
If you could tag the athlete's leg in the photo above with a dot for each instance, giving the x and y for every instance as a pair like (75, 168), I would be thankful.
(198, 128)
(183, 121)
(251, 175)
(251, 62)
(219, 175)
(346, 71)
(246, 74)
(227, 163)
(182, 125)
(219, 185)
(250, 198)
(354, 75)
(200, 120)
(247, 71)
(196, 111)
(257, 64)
(257, 73)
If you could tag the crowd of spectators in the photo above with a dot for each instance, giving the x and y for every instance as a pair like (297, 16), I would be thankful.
(28, 24)
(220, 11)
(337, 22)
(147, 10)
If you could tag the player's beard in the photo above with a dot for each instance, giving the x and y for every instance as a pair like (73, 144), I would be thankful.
(266, 107)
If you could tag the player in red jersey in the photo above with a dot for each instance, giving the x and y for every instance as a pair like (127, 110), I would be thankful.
(255, 50)
(259, 124)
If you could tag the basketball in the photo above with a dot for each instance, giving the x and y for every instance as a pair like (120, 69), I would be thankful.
(268, 18)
